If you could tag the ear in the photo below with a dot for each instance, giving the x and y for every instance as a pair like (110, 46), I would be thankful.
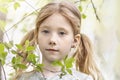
(76, 41)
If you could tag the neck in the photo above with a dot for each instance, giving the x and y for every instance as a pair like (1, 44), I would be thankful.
(49, 66)
(50, 70)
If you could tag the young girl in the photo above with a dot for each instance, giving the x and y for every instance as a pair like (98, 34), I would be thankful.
(57, 32)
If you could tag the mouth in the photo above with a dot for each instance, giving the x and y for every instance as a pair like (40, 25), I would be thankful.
(54, 50)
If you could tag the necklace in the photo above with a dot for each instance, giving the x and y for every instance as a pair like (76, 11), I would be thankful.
(52, 71)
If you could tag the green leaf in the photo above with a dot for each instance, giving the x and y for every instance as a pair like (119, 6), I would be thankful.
(2, 62)
(83, 0)
(80, 8)
(30, 48)
(63, 72)
(13, 60)
(57, 63)
(1, 47)
(3, 54)
(69, 62)
(9, 0)
(21, 66)
(17, 63)
(16, 60)
(6, 0)
(22, 0)
(3, 57)
(14, 52)
(9, 45)
(24, 29)
(19, 46)
(31, 58)
(3, 10)
(27, 43)
(16, 5)
(84, 16)
(2, 24)
(3, 1)
(69, 71)
(39, 67)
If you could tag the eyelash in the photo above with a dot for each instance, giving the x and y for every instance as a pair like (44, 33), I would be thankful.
(62, 33)
(45, 31)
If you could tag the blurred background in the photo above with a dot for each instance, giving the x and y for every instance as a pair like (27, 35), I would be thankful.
(100, 21)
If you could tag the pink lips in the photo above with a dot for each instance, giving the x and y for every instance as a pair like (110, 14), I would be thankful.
(54, 50)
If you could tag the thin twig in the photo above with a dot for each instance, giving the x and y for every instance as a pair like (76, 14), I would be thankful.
(3, 71)
(5, 33)
(19, 21)
(95, 10)
(31, 7)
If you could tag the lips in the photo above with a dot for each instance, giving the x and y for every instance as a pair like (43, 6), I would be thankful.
(54, 50)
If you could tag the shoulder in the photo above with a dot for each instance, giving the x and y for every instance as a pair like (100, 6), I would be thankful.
(81, 76)
(33, 75)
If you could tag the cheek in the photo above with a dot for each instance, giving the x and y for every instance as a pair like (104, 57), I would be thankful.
(66, 45)
(41, 41)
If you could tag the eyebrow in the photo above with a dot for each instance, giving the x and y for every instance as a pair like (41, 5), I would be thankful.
(45, 26)
(62, 29)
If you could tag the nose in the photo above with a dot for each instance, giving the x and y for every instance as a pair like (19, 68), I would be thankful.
(53, 40)
(52, 43)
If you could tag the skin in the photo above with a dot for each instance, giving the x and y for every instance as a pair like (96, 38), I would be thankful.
(55, 39)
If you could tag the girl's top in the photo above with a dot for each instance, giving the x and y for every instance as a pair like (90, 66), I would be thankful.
(34, 75)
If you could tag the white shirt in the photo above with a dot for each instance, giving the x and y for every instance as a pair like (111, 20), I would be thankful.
(34, 75)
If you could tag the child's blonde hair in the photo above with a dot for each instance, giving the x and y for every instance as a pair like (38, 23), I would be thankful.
(84, 54)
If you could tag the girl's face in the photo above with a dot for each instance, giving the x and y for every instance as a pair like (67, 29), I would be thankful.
(55, 37)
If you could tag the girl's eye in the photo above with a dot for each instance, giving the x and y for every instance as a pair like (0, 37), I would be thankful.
(62, 33)
(45, 31)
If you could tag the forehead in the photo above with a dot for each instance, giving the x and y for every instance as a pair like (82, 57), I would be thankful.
(56, 20)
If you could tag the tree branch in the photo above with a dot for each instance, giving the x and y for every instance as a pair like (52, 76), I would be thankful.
(95, 11)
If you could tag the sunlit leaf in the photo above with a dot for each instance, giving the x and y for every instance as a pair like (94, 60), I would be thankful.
(31, 58)
(21, 66)
(24, 29)
(83, 0)
(1, 48)
(39, 67)
(16, 5)
(80, 8)
(13, 60)
(27, 43)
(9, 0)
(21, 0)
(2, 24)
(30, 48)
(69, 71)
(3, 1)
(4, 54)
(9, 45)
(57, 63)
(2, 62)
(14, 52)
(84, 16)
(16, 60)
(63, 72)
(3, 10)
(3, 57)
(69, 62)
(19, 46)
